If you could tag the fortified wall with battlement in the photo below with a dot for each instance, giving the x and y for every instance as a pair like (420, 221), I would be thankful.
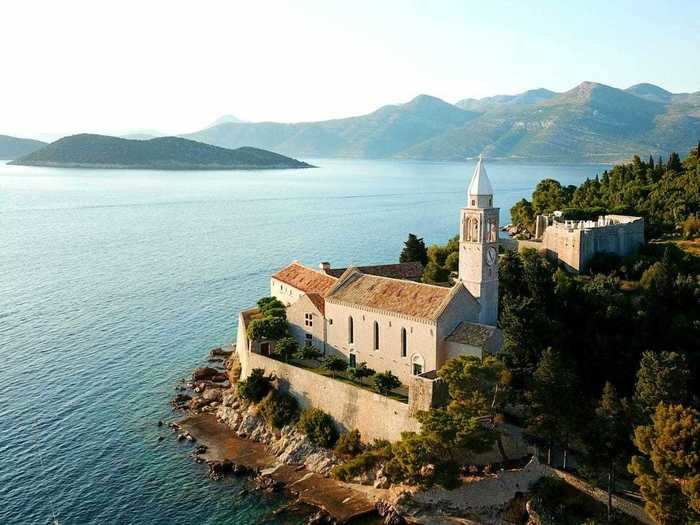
(574, 243)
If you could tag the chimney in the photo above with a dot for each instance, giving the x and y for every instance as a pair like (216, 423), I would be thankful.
(325, 266)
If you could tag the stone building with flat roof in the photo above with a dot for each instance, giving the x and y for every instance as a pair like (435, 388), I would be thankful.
(574, 243)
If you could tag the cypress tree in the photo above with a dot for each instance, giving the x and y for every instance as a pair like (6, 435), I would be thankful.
(414, 250)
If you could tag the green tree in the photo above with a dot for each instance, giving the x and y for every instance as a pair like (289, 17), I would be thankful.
(286, 348)
(414, 250)
(609, 437)
(270, 307)
(434, 273)
(550, 196)
(476, 385)
(553, 401)
(334, 364)
(668, 471)
(522, 214)
(385, 382)
(267, 328)
(662, 377)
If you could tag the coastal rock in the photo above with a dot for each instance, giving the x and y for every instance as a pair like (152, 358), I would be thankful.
(391, 516)
(219, 352)
(321, 518)
(212, 394)
(203, 373)
(219, 378)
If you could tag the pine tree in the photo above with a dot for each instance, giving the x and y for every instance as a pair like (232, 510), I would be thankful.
(553, 401)
(668, 472)
(651, 162)
(609, 437)
(414, 250)
(662, 378)
(674, 163)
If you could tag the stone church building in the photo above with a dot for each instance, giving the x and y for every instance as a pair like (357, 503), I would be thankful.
(382, 316)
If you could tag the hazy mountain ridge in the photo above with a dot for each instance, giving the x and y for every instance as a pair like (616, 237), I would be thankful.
(165, 153)
(13, 147)
(590, 123)
(380, 134)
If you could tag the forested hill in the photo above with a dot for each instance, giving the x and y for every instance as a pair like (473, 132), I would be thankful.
(666, 192)
(13, 147)
(165, 153)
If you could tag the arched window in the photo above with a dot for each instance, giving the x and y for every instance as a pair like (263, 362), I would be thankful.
(351, 330)
(376, 335)
(404, 342)
(418, 364)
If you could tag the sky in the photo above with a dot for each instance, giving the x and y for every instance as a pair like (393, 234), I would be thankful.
(175, 66)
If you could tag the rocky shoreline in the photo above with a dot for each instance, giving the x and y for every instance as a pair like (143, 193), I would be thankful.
(221, 426)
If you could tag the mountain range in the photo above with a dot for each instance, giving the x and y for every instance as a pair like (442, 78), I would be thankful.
(590, 123)
(163, 153)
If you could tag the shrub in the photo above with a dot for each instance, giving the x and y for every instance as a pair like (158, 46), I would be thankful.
(379, 452)
(255, 387)
(360, 372)
(604, 262)
(286, 347)
(385, 382)
(349, 444)
(309, 352)
(318, 427)
(279, 409)
(334, 364)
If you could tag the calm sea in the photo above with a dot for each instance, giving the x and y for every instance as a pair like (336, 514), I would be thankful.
(114, 284)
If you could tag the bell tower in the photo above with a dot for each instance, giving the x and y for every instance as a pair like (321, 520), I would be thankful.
(478, 245)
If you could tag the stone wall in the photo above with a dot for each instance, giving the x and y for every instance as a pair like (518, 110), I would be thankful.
(374, 415)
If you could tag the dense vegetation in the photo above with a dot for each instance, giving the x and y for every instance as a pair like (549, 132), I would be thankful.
(165, 153)
(666, 194)
(607, 364)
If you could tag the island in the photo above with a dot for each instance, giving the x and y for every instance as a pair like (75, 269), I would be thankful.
(162, 153)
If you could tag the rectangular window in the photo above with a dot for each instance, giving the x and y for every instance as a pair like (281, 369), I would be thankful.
(353, 361)
(417, 369)
(307, 339)
(404, 343)
(308, 320)
(376, 335)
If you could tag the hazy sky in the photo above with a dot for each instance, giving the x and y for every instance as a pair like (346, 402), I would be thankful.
(114, 66)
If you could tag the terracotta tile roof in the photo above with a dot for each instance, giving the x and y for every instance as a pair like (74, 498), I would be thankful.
(305, 279)
(407, 270)
(471, 334)
(423, 301)
(318, 301)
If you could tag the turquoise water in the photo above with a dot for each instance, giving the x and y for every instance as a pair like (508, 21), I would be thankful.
(114, 284)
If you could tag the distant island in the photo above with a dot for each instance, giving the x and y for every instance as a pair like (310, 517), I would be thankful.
(163, 153)
(13, 147)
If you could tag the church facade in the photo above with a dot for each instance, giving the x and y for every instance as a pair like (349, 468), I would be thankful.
(381, 316)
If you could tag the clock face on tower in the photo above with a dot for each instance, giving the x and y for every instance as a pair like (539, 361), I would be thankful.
(491, 256)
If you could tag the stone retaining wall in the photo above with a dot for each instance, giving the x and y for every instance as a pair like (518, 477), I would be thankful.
(374, 415)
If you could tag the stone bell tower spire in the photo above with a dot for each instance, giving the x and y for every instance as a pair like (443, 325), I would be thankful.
(478, 245)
